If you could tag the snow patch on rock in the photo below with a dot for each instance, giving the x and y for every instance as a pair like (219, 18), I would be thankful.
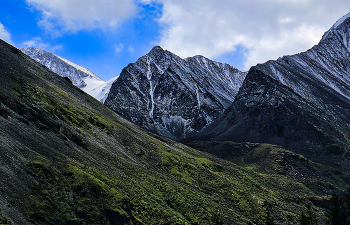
(172, 96)
(80, 76)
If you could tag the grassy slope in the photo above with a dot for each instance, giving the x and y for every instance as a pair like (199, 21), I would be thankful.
(77, 162)
(3, 219)
(273, 160)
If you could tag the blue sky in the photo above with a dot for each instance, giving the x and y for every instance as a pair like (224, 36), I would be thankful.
(104, 51)
(106, 35)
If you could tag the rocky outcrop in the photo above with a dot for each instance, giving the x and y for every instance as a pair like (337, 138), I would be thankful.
(301, 102)
(171, 96)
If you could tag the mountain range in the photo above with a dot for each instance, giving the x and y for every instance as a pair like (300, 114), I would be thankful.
(161, 92)
(281, 132)
(68, 159)
(301, 102)
(178, 98)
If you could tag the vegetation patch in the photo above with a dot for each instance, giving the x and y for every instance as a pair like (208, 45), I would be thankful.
(185, 190)
(73, 115)
(67, 195)
(4, 220)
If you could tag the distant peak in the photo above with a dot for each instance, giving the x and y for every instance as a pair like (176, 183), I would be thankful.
(157, 52)
(199, 56)
(157, 49)
(336, 25)
(32, 49)
(341, 20)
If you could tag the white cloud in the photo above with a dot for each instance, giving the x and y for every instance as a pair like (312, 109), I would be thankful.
(4, 34)
(38, 43)
(286, 20)
(76, 15)
(119, 48)
(267, 29)
(131, 49)
(145, 1)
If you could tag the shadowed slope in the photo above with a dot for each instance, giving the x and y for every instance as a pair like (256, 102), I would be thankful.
(301, 102)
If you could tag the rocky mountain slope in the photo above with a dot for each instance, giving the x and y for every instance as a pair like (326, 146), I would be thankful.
(68, 159)
(171, 96)
(81, 76)
(301, 102)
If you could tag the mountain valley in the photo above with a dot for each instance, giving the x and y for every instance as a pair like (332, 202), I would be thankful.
(256, 146)
(67, 159)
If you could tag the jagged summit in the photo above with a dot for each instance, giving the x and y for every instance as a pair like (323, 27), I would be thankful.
(341, 20)
(172, 96)
(340, 29)
(156, 50)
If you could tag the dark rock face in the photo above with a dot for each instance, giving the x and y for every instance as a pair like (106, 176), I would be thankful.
(171, 96)
(301, 102)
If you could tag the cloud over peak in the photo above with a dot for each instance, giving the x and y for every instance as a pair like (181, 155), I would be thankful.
(4, 34)
(264, 29)
(267, 29)
(38, 43)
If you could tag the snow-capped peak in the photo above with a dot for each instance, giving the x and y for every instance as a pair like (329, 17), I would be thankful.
(335, 26)
(81, 68)
(99, 89)
(80, 76)
(340, 21)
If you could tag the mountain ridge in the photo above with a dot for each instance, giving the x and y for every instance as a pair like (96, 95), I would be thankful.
(301, 102)
(68, 159)
(81, 76)
(171, 96)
